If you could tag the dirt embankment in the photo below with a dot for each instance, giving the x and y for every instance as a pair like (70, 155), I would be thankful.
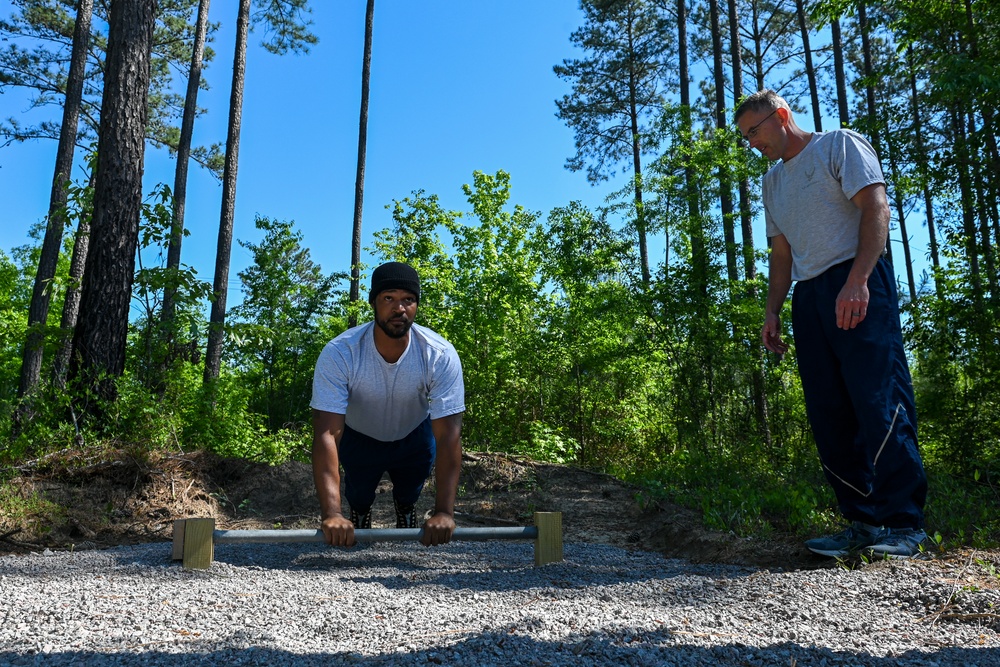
(115, 498)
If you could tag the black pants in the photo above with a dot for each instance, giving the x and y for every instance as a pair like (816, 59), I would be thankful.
(408, 461)
(859, 399)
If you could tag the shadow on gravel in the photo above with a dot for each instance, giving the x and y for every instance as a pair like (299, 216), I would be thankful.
(663, 648)
(475, 566)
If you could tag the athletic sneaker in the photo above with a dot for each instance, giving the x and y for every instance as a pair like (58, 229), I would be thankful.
(856, 537)
(406, 516)
(361, 519)
(899, 543)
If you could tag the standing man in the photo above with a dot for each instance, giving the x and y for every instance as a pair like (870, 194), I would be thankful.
(388, 396)
(828, 219)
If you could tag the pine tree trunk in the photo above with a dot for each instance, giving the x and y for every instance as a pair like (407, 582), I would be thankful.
(181, 172)
(640, 213)
(800, 10)
(101, 334)
(985, 180)
(839, 74)
(761, 408)
(38, 310)
(981, 209)
(746, 215)
(901, 216)
(699, 258)
(964, 175)
(71, 303)
(873, 133)
(217, 318)
(725, 182)
(359, 180)
(921, 158)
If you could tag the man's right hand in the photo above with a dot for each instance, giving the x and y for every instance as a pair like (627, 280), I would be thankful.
(770, 334)
(338, 531)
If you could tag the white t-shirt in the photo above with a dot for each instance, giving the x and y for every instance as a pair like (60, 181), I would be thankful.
(808, 199)
(382, 400)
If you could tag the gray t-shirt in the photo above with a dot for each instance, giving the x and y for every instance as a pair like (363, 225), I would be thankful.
(808, 199)
(382, 400)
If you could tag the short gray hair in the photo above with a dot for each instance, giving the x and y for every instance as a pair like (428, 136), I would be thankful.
(764, 100)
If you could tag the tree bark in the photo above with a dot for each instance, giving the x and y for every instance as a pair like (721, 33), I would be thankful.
(894, 172)
(359, 179)
(100, 337)
(874, 135)
(761, 409)
(839, 74)
(637, 184)
(981, 208)
(725, 183)
(71, 303)
(699, 258)
(217, 318)
(800, 10)
(964, 175)
(38, 310)
(921, 158)
(746, 216)
(183, 159)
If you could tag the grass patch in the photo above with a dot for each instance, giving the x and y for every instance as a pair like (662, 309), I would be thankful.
(28, 512)
(753, 498)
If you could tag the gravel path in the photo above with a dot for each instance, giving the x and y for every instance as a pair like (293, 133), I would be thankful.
(480, 604)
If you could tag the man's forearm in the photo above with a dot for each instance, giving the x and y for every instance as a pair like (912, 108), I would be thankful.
(871, 245)
(448, 436)
(326, 475)
(873, 231)
(446, 473)
(779, 281)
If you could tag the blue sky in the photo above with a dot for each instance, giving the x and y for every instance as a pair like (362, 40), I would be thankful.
(456, 86)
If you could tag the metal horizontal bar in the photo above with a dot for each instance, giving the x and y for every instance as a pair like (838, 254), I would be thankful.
(370, 535)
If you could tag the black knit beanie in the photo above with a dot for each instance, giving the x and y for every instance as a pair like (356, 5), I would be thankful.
(394, 275)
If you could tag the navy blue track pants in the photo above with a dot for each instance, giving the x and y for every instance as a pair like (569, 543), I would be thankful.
(408, 461)
(859, 399)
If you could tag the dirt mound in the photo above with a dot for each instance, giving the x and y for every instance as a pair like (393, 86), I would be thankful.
(95, 501)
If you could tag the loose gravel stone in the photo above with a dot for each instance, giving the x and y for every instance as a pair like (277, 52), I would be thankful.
(480, 604)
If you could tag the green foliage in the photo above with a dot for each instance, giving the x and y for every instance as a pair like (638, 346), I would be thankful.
(155, 344)
(276, 330)
(963, 509)
(220, 420)
(285, 24)
(620, 80)
(957, 376)
(31, 511)
(14, 298)
(37, 40)
(548, 444)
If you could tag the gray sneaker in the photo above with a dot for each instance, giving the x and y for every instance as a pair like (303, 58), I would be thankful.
(856, 537)
(899, 543)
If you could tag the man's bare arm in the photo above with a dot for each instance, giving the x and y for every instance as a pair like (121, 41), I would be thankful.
(448, 436)
(328, 428)
(852, 302)
(779, 281)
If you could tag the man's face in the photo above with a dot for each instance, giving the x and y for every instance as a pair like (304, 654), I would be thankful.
(394, 311)
(764, 130)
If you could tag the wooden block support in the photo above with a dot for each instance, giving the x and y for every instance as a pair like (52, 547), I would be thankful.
(549, 543)
(178, 549)
(194, 539)
(198, 543)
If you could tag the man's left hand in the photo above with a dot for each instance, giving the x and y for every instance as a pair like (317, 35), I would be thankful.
(438, 529)
(852, 305)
